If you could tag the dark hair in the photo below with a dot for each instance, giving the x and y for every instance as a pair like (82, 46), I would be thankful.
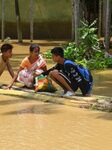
(6, 47)
(58, 51)
(34, 46)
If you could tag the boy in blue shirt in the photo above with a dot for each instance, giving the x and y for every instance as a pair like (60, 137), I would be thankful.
(66, 74)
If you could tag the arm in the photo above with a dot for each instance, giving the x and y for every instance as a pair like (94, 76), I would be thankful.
(39, 73)
(44, 68)
(48, 71)
(22, 66)
(10, 69)
(14, 78)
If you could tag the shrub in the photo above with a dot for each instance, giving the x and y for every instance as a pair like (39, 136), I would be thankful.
(88, 52)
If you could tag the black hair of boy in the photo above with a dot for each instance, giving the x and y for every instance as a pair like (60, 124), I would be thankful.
(58, 51)
(34, 46)
(6, 47)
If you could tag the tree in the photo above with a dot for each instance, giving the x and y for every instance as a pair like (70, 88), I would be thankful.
(18, 19)
(107, 5)
(100, 18)
(75, 20)
(3, 24)
(31, 19)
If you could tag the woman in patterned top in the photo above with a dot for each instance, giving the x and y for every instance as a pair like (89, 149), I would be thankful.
(31, 66)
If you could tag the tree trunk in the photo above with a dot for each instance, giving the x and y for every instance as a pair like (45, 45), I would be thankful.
(104, 17)
(3, 24)
(100, 19)
(19, 31)
(83, 10)
(75, 20)
(31, 19)
(107, 24)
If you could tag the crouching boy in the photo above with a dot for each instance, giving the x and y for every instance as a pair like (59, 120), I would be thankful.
(68, 74)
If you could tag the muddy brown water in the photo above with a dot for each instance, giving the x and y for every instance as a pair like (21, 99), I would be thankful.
(33, 125)
(29, 124)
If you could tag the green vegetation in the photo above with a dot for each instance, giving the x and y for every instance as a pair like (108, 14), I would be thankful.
(89, 51)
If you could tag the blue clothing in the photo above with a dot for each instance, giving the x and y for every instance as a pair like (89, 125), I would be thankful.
(73, 77)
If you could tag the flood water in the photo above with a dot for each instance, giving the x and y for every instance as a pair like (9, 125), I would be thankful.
(102, 82)
(27, 124)
(33, 125)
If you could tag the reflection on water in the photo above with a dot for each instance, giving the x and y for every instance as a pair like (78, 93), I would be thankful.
(31, 125)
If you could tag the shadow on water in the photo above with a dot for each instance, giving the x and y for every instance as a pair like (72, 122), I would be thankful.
(101, 115)
(106, 116)
(19, 56)
(24, 43)
(35, 109)
(42, 43)
(9, 102)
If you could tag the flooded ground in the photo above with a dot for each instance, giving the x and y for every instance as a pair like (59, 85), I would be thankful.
(31, 125)
(103, 82)
(27, 124)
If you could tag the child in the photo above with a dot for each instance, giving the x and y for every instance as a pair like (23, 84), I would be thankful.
(31, 66)
(66, 75)
(5, 55)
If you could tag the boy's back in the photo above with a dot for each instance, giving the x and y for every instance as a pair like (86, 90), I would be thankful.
(2, 64)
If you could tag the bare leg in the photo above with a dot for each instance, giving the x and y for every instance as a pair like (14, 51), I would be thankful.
(60, 80)
(60, 84)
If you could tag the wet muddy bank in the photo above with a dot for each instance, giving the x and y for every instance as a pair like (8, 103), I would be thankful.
(103, 104)
(95, 102)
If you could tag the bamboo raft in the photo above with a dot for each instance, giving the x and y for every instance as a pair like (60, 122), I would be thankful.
(95, 101)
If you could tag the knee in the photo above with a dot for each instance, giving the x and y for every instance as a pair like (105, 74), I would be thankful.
(54, 73)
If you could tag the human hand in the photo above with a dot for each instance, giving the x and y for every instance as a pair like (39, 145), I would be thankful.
(7, 87)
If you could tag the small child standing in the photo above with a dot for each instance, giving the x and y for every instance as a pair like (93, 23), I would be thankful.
(5, 55)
